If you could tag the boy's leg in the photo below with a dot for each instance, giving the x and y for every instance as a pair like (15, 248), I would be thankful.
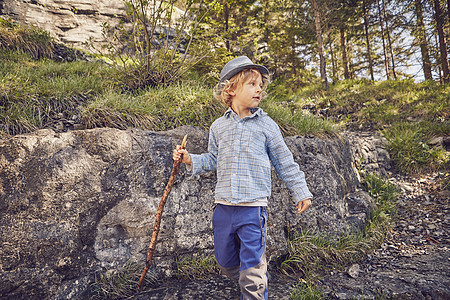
(242, 258)
(226, 243)
(253, 270)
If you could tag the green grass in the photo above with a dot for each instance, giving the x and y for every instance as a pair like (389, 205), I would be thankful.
(197, 267)
(409, 115)
(25, 39)
(155, 108)
(32, 91)
(374, 104)
(297, 122)
(121, 283)
(409, 149)
(306, 291)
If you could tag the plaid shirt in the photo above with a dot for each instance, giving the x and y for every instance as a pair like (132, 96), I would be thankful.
(241, 151)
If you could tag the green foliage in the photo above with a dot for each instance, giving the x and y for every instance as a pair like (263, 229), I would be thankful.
(33, 92)
(408, 145)
(25, 39)
(159, 108)
(409, 115)
(197, 267)
(377, 104)
(293, 121)
(385, 194)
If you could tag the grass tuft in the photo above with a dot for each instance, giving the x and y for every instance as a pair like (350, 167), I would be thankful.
(409, 149)
(306, 291)
(159, 108)
(297, 122)
(33, 93)
(25, 39)
(122, 283)
(197, 267)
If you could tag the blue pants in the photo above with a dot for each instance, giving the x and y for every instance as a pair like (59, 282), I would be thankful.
(239, 246)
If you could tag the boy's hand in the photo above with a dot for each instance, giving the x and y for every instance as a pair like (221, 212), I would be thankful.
(303, 205)
(178, 152)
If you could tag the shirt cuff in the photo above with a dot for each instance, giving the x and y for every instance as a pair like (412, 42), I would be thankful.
(193, 168)
(298, 198)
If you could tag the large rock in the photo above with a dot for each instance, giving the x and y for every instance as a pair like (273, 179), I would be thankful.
(74, 23)
(78, 202)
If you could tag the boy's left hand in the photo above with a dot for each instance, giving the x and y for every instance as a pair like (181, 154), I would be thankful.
(303, 205)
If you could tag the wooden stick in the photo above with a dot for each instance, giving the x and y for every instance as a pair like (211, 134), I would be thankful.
(151, 248)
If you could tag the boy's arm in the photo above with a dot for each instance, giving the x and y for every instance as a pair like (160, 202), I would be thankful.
(288, 170)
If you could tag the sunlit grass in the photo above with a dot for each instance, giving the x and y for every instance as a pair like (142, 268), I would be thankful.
(155, 108)
(408, 145)
(409, 114)
(32, 92)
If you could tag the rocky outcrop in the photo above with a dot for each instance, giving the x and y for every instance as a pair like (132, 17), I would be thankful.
(70, 22)
(80, 24)
(78, 202)
(370, 153)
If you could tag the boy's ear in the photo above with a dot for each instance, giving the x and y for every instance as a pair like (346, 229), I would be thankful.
(232, 92)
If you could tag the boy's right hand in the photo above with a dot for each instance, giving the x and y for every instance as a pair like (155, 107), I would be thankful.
(177, 155)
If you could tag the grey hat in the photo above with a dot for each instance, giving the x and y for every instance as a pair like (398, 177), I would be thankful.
(238, 64)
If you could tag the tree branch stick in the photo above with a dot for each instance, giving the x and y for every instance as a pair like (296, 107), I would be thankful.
(151, 249)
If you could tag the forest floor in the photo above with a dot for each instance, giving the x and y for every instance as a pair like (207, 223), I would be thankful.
(412, 263)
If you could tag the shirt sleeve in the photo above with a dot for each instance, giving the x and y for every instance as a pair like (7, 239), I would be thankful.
(207, 161)
(288, 170)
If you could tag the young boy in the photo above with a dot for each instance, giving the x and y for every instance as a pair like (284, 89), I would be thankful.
(242, 144)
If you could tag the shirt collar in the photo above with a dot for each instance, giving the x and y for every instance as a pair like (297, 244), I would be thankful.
(256, 111)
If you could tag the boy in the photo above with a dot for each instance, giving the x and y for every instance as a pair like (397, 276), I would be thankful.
(242, 144)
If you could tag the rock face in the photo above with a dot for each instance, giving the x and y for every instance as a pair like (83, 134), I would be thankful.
(72, 22)
(78, 202)
(75, 23)
(369, 150)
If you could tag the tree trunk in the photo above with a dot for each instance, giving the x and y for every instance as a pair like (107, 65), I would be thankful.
(344, 54)
(436, 46)
(448, 21)
(388, 34)
(386, 62)
(333, 62)
(366, 29)
(226, 17)
(442, 45)
(323, 71)
(426, 63)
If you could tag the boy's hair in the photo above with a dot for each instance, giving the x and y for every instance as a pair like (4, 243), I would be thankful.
(222, 89)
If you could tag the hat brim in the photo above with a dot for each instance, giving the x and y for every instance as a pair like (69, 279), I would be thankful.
(263, 70)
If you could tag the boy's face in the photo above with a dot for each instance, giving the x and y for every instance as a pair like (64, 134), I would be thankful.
(247, 95)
